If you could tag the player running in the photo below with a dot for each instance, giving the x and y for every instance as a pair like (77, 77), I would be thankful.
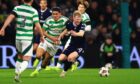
(82, 6)
(54, 30)
(75, 48)
(26, 16)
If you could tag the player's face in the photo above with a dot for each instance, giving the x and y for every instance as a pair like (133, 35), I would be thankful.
(108, 41)
(77, 20)
(43, 4)
(56, 15)
(81, 8)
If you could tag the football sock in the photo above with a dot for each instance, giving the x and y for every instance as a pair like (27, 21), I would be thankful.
(17, 66)
(23, 66)
(67, 65)
(59, 63)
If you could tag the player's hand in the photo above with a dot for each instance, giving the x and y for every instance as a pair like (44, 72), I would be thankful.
(60, 37)
(42, 39)
(57, 42)
(54, 39)
(2, 32)
(73, 33)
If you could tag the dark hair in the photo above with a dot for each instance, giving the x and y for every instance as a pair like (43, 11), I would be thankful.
(85, 3)
(56, 9)
(27, 1)
(108, 36)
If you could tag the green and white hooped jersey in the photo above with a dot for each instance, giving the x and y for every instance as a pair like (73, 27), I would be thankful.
(26, 17)
(85, 18)
(54, 28)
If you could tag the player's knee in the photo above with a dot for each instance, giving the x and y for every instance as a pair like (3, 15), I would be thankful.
(38, 55)
(62, 57)
(71, 59)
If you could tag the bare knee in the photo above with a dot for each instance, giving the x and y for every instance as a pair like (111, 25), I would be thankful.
(71, 59)
(62, 57)
(39, 52)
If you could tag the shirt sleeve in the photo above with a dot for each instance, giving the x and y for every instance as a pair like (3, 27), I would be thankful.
(14, 11)
(45, 26)
(82, 27)
(68, 25)
(35, 17)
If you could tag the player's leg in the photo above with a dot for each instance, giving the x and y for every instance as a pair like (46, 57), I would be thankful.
(36, 42)
(65, 45)
(74, 57)
(46, 61)
(67, 63)
(61, 58)
(43, 65)
(26, 50)
(39, 53)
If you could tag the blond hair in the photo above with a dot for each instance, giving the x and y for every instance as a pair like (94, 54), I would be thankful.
(76, 13)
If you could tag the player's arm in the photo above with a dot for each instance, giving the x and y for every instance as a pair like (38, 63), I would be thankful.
(80, 33)
(38, 27)
(54, 39)
(61, 36)
(9, 19)
(88, 26)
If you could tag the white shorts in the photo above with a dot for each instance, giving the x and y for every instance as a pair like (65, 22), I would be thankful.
(49, 47)
(24, 47)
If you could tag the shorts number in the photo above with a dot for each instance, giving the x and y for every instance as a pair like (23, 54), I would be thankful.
(80, 50)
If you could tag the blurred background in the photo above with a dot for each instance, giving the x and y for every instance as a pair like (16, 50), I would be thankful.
(105, 17)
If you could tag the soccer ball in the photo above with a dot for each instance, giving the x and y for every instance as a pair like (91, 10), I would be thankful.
(104, 72)
(108, 65)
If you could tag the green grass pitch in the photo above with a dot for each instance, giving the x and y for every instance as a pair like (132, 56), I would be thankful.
(81, 76)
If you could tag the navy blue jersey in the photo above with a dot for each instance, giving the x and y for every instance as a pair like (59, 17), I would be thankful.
(43, 15)
(76, 40)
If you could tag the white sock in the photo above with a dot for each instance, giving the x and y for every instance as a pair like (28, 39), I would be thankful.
(58, 65)
(38, 68)
(23, 66)
(17, 67)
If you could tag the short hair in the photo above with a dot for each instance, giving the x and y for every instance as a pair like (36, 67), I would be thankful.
(76, 13)
(85, 3)
(27, 1)
(56, 9)
(43, 0)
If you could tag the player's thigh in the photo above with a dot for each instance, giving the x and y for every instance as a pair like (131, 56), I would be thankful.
(41, 49)
(27, 49)
(72, 57)
(19, 46)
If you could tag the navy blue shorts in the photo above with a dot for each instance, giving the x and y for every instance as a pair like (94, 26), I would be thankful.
(71, 49)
